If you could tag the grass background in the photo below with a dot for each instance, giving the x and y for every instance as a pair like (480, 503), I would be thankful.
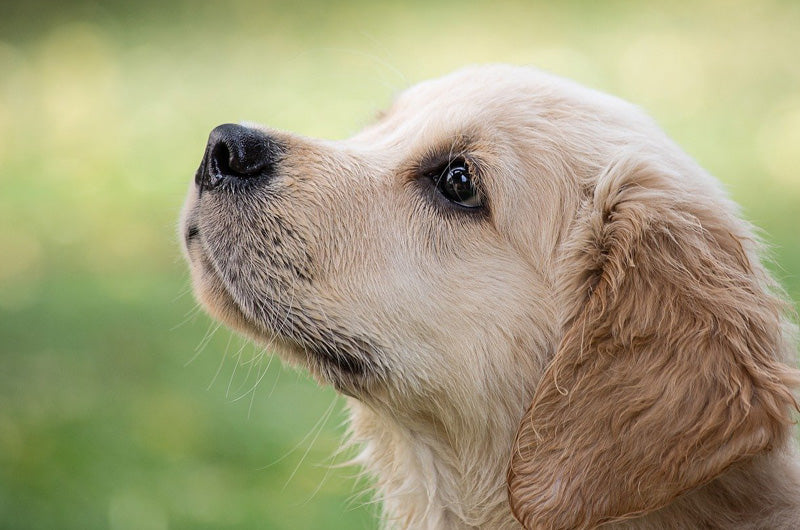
(120, 407)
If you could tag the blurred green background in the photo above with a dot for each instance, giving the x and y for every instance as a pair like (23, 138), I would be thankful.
(121, 405)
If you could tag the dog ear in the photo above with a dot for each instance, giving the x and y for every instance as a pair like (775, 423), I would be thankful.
(668, 369)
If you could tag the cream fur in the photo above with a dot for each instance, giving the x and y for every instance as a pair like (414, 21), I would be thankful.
(600, 345)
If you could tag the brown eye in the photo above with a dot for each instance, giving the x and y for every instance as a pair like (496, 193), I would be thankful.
(456, 184)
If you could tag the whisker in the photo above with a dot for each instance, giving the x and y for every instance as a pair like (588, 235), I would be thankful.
(212, 329)
(326, 416)
(238, 356)
(300, 443)
(190, 314)
(221, 362)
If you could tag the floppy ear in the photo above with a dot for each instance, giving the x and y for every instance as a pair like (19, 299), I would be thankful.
(668, 370)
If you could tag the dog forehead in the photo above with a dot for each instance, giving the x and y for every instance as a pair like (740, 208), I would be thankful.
(499, 89)
(472, 94)
(464, 103)
(479, 101)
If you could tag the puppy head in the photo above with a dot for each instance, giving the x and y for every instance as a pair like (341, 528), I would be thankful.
(500, 234)
(359, 260)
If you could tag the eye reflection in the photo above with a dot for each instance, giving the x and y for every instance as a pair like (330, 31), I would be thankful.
(456, 184)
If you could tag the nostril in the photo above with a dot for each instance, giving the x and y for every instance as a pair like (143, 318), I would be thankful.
(239, 152)
(220, 161)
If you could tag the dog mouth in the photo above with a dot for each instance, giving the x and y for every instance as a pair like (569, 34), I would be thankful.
(191, 233)
(300, 330)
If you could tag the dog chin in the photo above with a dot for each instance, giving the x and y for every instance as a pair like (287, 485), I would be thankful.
(221, 305)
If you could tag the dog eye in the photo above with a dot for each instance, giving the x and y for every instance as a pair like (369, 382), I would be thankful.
(456, 184)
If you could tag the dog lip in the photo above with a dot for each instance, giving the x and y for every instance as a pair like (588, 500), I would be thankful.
(192, 232)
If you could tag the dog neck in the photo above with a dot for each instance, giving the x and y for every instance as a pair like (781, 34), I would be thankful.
(431, 475)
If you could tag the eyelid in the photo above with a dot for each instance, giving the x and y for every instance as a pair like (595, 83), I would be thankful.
(444, 168)
(436, 165)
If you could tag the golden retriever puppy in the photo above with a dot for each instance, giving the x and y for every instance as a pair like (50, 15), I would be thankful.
(544, 313)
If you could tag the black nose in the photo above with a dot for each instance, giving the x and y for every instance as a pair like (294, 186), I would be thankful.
(235, 152)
